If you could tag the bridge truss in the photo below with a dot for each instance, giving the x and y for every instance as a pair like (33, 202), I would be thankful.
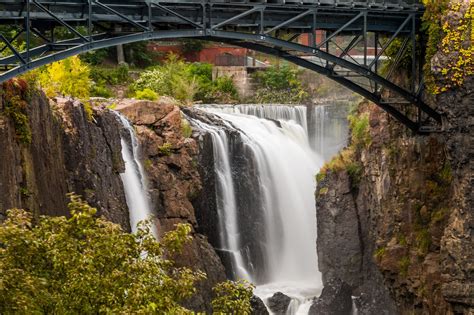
(369, 27)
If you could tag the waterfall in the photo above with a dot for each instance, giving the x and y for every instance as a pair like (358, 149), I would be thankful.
(271, 154)
(134, 179)
(226, 203)
(328, 129)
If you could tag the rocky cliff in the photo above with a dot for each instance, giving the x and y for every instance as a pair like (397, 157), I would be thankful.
(55, 150)
(52, 147)
(170, 160)
(395, 217)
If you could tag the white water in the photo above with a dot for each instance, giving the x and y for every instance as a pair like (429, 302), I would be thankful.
(226, 204)
(286, 168)
(134, 180)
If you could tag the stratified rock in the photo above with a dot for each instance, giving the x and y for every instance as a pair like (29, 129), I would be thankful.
(68, 153)
(278, 303)
(335, 299)
(258, 307)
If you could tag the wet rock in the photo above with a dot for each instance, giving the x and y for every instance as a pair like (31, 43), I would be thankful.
(258, 307)
(278, 303)
(335, 299)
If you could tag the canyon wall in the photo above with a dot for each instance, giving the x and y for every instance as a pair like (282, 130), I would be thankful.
(395, 217)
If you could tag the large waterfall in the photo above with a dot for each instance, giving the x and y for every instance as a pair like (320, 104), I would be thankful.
(134, 180)
(265, 159)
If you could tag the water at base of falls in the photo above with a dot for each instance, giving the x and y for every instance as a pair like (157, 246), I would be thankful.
(282, 153)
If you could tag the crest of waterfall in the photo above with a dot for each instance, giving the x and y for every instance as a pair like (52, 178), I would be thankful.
(134, 179)
(295, 113)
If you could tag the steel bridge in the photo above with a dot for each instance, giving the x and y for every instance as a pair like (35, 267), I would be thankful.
(268, 26)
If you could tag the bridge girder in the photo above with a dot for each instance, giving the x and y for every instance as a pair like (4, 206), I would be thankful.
(269, 28)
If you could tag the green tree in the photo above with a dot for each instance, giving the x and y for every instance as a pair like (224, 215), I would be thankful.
(87, 265)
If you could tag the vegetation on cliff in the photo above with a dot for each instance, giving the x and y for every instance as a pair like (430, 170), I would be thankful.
(450, 52)
(87, 265)
(15, 95)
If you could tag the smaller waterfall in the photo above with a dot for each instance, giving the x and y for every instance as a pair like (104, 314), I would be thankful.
(226, 203)
(134, 180)
(328, 129)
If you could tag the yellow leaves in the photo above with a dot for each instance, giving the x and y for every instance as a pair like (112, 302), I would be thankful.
(68, 77)
(457, 30)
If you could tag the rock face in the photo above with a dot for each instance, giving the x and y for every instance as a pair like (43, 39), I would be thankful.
(170, 161)
(71, 152)
(67, 153)
(278, 303)
(402, 227)
(335, 299)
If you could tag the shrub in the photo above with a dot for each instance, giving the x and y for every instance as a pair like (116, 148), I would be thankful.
(232, 298)
(110, 76)
(101, 91)
(68, 77)
(86, 265)
(95, 57)
(146, 94)
(279, 85)
(166, 149)
(186, 82)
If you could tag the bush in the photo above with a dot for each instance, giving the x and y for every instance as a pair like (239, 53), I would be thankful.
(146, 94)
(186, 82)
(279, 85)
(68, 77)
(233, 298)
(101, 91)
(86, 265)
(110, 76)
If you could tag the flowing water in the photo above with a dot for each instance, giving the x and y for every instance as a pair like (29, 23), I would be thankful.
(133, 179)
(273, 159)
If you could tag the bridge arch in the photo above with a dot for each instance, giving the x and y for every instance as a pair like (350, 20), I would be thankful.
(261, 37)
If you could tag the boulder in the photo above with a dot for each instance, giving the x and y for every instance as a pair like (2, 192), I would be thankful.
(334, 300)
(258, 307)
(279, 303)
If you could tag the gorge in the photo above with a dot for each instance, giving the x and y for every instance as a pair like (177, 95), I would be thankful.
(329, 208)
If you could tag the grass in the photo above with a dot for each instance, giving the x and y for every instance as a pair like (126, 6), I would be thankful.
(186, 129)
(165, 149)
(403, 266)
(380, 252)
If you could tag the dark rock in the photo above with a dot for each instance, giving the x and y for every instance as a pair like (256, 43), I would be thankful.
(67, 153)
(278, 303)
(258, 307)
(247, 192)
(335, 299)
